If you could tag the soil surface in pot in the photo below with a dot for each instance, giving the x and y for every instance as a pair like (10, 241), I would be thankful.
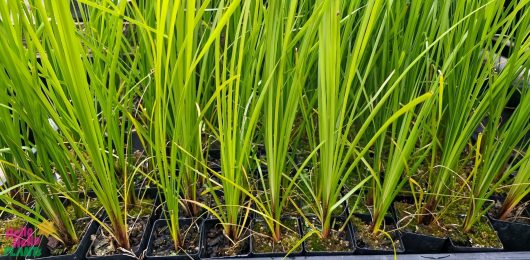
(337, 241)
(482, 235)
(409, 221)
(105, 245)
(58, 248)
(264, 243)
(163, 243)
(519, 214)
(219, 245)
(364, 238)
(8, 221)
(80, 225)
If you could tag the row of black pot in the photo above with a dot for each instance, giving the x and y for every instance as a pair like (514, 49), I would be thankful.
(514, 236)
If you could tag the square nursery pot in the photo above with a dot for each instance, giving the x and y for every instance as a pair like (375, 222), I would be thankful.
(275, 253)
(414, 242)
(82, 247)
(212, 238)
(456, 248)
(141, 246)
(362, 247)
(154, 239)
(514, 236)
(314, 246)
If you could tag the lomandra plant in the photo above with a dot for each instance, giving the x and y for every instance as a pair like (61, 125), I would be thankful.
(519, 188)
(289, 57)
(237, 108)
(31, 153)
(340, 100)
(398, 154)
(499, 139)
(463, 108)
(71, 100)
(176, 47)
(401, 148)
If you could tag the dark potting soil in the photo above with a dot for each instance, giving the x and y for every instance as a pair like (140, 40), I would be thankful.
(264, 243)
(219, 245)
(364, 238)
(519, 214)
(482, 235)
(58, 248)
(80, 225)
(163, 245)
(104, 244)
(337, 241)
(409, 221)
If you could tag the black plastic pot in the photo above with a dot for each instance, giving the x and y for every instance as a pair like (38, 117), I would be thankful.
(359, 249)
(209, 224)
(77, 9)
(163, 223)
(214, 159)
(513, 235)
(135, 142)
(452, 247)
(155, 214)
(417, 243)
(276, 254)
(349, 238)
(84, 243)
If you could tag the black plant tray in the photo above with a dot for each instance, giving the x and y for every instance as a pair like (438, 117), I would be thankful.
(162, 222)
(514, 236)
(368, 251)
(349, 235)
(211, 223)
(455, 256)
(416, 243)
(451, 247)
(84, 243)
(155, 214)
